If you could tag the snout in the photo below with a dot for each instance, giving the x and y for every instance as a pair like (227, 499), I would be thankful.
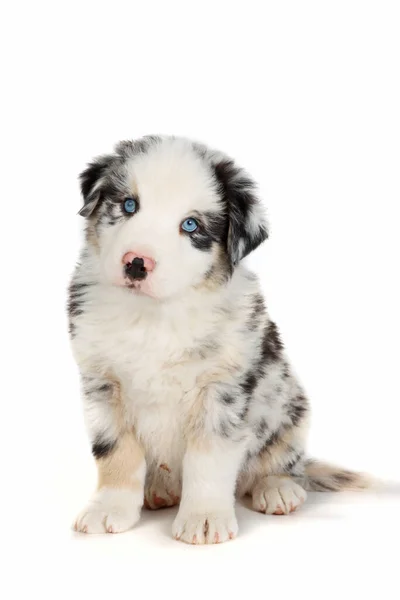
(136, 266)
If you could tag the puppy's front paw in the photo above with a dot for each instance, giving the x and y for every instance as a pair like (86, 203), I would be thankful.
(109, 511)
(211, 527)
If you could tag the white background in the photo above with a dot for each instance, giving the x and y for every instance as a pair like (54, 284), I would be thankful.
(306, 96)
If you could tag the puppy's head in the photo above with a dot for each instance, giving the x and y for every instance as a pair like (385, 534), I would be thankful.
(166, 214)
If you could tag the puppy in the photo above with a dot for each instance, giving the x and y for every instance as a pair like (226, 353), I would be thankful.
(189, 398)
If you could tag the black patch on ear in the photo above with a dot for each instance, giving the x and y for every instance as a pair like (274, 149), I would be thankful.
(88, 180)
(247, 227)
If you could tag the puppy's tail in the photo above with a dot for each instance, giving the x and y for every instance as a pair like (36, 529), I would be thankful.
(323, 477)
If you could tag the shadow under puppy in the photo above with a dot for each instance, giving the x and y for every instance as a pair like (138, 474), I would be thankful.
(188, 395)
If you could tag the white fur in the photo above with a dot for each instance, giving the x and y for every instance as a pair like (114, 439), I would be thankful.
(206, 513)
(151, 341)
(277, 495)
(170, 186)
(110, 511)
(157, 399)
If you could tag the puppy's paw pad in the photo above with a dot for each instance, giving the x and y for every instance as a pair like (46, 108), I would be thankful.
(205, 528)
(163, 489)
(109, 511)
(160, 499)
(280, 500)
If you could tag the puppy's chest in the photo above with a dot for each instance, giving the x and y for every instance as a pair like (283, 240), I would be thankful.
(156, 358)
(159, 364)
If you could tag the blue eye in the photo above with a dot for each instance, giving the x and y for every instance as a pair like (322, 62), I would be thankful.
(189, 225)
(130, 205)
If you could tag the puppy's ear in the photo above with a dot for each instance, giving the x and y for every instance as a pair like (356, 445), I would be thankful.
(91, 180)
(247, 223)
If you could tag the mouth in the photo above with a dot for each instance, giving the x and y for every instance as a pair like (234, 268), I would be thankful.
(137, 288)
(133, 286)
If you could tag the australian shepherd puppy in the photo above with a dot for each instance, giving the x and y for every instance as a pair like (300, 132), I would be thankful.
(189, 398)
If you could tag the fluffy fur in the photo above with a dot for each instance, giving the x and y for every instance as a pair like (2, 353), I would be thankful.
(188, 395)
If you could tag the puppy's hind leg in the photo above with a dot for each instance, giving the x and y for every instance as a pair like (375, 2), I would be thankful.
(116, 504)
(275, 469)
(277, 495)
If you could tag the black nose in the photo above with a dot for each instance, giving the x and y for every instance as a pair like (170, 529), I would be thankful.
(136, 269)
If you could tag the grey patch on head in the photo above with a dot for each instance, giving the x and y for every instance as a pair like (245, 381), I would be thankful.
(104, 177)
(201, 150)
(110, 213)
(129, 148)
